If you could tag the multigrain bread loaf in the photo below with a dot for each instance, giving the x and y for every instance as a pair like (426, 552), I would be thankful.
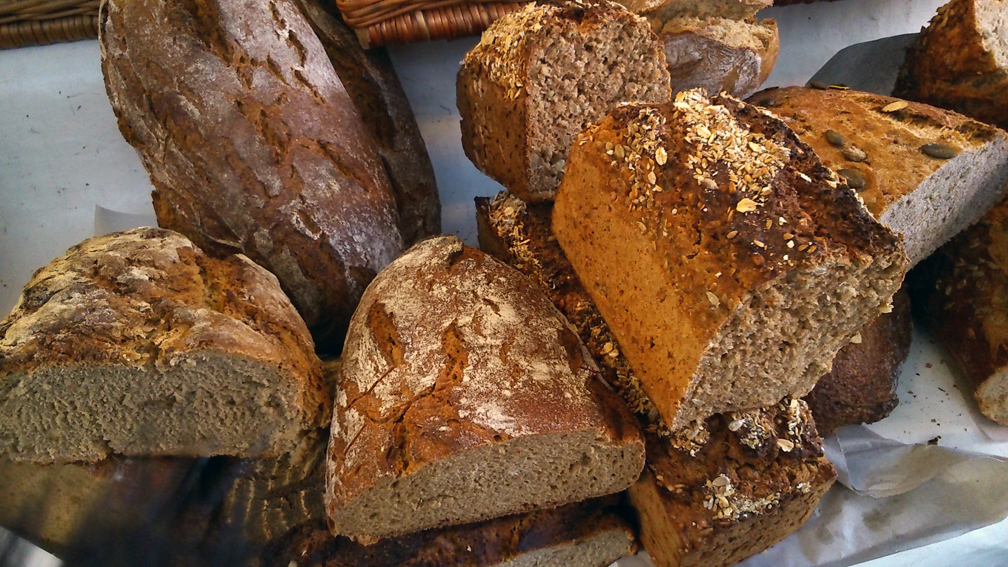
(924, 172)
(960, 61)
(861, 388)
(718, 54)
(137, 343)
(253, 145)
(959, 292)
(373, 86)
(754, 265)
(464, 395)
(540, 75)
(520, 234)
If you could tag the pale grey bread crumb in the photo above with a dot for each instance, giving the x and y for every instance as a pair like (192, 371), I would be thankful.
(464, 395)
(137, 343)
(541, 75)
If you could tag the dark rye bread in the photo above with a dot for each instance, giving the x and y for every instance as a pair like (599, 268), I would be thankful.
(754, 265)
(960, 61)
(878, 145)
(861, 388)
(137, 343)
(253, 145)
(540, 75)
(464, 395)
(959, 294)
(372, 84)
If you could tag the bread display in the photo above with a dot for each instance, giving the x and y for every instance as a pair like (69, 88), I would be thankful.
(718, 54)
(464, 395)
(137, 343)
(373, 86)
(253, 146)
(960, 61)
(540, 75)
(753, 264)
(960, 293)
(861, 387)
(924, 172)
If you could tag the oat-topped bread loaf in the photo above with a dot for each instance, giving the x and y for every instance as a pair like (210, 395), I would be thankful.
(718, 54)
(861, 387)
(137, 343)
(924, 172)
(464, 395)
(960, 293)
(753, 265)
(540, 75)
(960, 61)
(253, 145)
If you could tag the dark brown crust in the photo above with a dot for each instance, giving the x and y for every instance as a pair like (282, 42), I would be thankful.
(861, 388)
(373, 86)
(253, 145)
(948, 67)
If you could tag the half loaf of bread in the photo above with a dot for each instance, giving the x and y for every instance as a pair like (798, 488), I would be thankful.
(137, 343)
(729, 263)
(464, 395)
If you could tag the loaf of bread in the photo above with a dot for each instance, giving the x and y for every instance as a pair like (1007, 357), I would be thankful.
(960, 61)
(253, 145)
(924, 172)
(464, 395)
(861, 387)
(753, 264)
(667, 9)
(137, 343)
(520, 234)
(718, 54)
(960, 293)
(373, 86)
(540, 75)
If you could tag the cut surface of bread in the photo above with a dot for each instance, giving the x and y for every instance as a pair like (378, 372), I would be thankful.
(879, 145)
(464, 395)
(137, 343)
(753, 264)
(543, 73)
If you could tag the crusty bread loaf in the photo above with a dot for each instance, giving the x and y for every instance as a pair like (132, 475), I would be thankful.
(373, 86)
(861, 387)
(464, 395)
(253, 145)
(137, 343)
(881, 146)
(718, 54)
(960, 61)
(540, 75)
(960, 293)
(753, 264)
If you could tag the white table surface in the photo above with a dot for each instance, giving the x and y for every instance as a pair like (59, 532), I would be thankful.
(61, 155)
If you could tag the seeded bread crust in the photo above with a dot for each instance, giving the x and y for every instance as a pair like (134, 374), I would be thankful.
(149, 303)
(960, 291)
(926, 199)
(253, 145)
(730, 227)
(453, 356)
(953, 63)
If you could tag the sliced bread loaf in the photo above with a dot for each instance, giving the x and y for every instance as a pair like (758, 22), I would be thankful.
(924, 172)
(753, 265)
(464, 395)
(540, 75)
(137, 343)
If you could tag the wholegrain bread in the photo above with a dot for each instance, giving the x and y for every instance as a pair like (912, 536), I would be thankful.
(889, 150)
(137, 343)
(540, 75)
(464, 395)
(754, 265)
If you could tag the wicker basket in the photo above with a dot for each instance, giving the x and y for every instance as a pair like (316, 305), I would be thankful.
(383, 22)
(38, 22)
